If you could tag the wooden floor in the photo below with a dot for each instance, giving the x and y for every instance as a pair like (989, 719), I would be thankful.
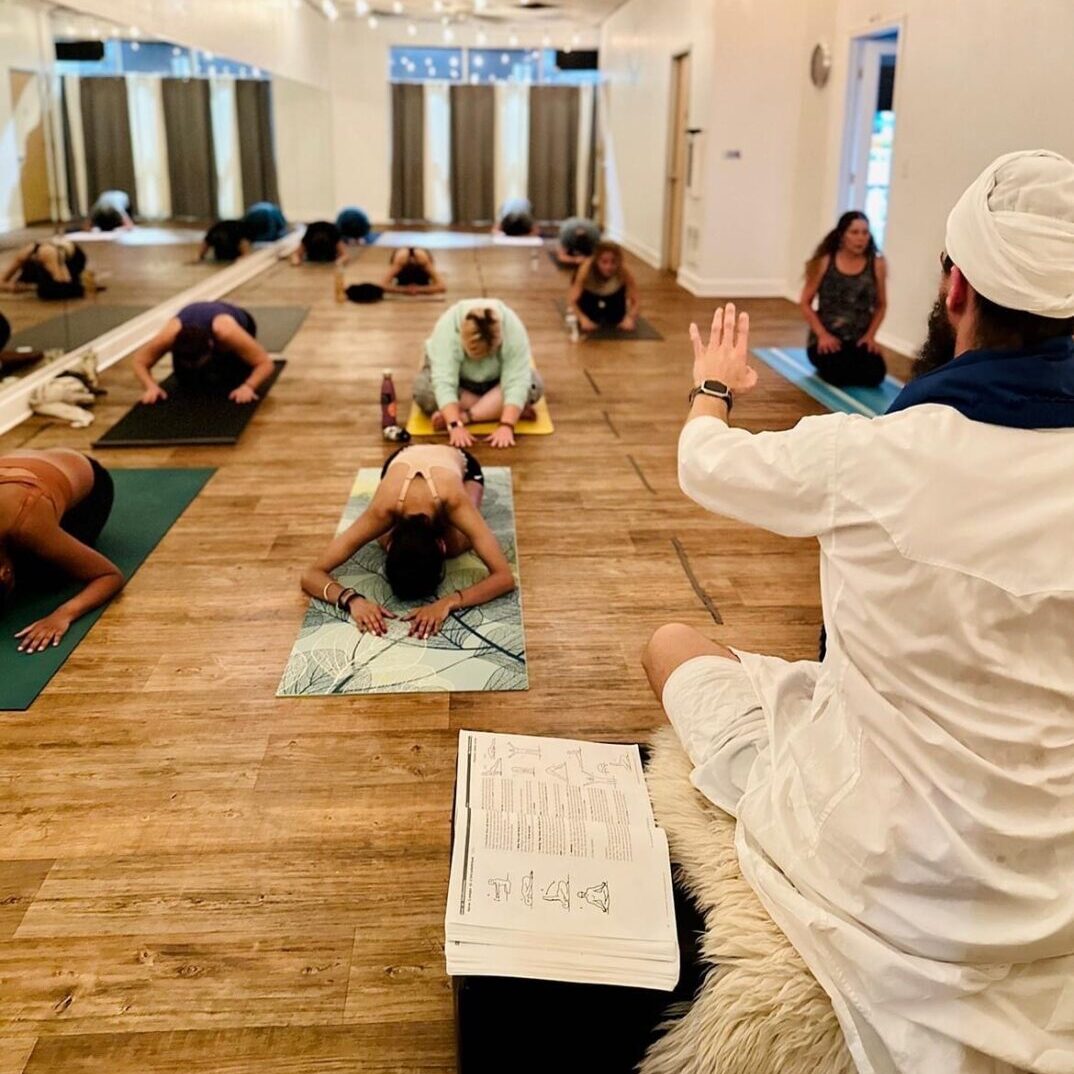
(199, 878)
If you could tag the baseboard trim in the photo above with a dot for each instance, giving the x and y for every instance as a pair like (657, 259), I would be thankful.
(731, 287)
(113, 346)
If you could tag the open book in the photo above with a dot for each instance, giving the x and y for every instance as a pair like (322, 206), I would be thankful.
(558, 870)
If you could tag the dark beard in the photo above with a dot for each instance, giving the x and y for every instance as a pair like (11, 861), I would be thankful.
(939, 346)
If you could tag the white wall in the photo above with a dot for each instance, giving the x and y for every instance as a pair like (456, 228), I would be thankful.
(302, 119)
(20, 48)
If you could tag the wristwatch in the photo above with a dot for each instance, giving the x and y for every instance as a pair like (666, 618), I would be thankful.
(714, 389)
(456, 424)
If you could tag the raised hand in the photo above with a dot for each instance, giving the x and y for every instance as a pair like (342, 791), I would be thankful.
(725, 357)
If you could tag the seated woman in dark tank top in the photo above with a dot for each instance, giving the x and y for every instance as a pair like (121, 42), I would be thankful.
(411, 271)
(214, 351)
(847, 276)
(604, 293)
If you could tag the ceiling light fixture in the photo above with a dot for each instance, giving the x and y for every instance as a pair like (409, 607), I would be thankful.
(449, 34)
(482, 37)
(374, 22)
(411, 29)
(513, 41)
(361, 8)
(331, 12)
(397, 7)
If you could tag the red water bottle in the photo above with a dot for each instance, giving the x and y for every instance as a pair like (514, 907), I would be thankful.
(389, 411)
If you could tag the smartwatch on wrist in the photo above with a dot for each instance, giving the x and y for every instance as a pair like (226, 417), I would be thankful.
(714, 389)
(456, 424)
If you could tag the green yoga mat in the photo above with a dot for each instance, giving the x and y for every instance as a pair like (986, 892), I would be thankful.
(147, 505)
(76, 328)
(479, 649)
(642, 330)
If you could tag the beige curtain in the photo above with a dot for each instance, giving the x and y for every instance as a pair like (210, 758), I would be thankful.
(408, 151)
(553, 169)
(106, 129)
(188, 127)
(473, 141)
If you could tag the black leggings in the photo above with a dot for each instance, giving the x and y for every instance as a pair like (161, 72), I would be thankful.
(473, 467)
(604, 310)
(86, 519)
(852, 366)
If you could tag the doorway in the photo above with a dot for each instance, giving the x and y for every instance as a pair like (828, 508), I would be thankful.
(29, 115)
(870, 128)
(677, 177)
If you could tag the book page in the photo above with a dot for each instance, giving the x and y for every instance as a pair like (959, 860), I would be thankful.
(596, 782)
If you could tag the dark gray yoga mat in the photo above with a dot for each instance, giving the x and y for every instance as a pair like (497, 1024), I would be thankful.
(71, 330)
(185, 418)
(277, 325)
(644, 329)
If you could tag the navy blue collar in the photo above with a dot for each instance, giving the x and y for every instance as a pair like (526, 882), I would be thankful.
(1031, 388)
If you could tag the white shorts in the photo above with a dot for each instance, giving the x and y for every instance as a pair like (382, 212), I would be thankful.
(721, 724)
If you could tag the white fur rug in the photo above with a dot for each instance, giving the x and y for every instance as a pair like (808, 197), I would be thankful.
(760, 1011)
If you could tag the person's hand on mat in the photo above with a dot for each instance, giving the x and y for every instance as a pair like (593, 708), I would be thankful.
(369, 617)
(502, 436)
(426, 622)
(586, 325)
(45, 632)
(412, 289)
(726, 355)
(153, 395)
(828, 344)
(243, 394)
(628, 323)
(460, 437)
(869, 343)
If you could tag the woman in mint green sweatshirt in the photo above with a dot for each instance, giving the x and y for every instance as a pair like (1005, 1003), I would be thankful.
(478, 369)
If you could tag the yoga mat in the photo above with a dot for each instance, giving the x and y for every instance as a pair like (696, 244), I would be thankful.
(517, 240)
(420, 424)
(72, 330)
(478, 649)
(277, 325)
(793, 364)
(141, 236)
(185, 418)
(436, 240)
(147, 505)
(643, 330)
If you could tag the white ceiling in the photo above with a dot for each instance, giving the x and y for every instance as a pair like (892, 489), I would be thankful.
(516, 12)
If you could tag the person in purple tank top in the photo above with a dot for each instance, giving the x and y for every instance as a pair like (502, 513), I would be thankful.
(214, 351)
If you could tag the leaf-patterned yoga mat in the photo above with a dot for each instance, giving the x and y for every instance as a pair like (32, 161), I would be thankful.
(478, 649)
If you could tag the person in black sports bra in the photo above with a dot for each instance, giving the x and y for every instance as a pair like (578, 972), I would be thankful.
(53, 268)
(411, 271)
(322, 243)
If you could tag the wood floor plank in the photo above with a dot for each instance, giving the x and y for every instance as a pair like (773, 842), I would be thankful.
(15, 1053)
(20, 881)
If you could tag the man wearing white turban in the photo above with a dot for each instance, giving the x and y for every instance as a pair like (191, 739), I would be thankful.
(906, 808)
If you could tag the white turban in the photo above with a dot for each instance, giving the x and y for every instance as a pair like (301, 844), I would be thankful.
(1012, 233)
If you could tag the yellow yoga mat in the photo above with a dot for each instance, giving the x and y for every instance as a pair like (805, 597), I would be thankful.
(420, 424)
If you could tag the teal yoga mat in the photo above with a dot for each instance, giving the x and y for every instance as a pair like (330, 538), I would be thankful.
(147, 505)
(794, 365)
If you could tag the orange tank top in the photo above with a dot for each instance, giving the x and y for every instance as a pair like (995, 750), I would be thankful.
(37, 479)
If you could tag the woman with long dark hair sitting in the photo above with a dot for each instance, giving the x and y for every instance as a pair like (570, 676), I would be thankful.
(847, 275)
(426, 510)
(604, 293)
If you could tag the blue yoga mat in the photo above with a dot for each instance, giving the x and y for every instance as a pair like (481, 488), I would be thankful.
(793, 364)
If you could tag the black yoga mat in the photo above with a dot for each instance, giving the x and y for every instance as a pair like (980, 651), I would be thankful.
(74, 329)
(185, 418)
(643, 330)
(147, 505)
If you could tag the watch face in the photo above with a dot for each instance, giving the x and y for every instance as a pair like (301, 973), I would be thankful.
(715, 386)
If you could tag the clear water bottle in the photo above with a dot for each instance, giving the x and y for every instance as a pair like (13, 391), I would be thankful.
(572, 326)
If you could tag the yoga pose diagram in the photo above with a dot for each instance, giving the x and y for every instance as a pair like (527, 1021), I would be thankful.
(494, 769)
(524, 751)
(598, 895)
(589, 777)
(501, 888)
(527, 890)
(523, 770)
(624, 762)
(559, 891)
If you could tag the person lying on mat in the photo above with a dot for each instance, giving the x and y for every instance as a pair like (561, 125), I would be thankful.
(53, 506)
(265, 222)
(426, 510)
(226, 240)
(111, 211)
(847, 275)
(53, 268)
(411, 271)
(516, 219)
(354, 225)
(322, 243)
(214, 351)
(477, 369)
(577, 239)
(604, 293)
(904, 807)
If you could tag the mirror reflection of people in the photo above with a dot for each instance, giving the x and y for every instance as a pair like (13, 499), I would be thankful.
(53, 507)
(53, 268)
(847, 275)
(425, 511)
(412, 271)
(516, 219)
(226, 240)
(478, 369)
(903, 807)
(578, 238)
(604, 293)
(111, 211)
(322, 243)
(214, 351)
(354, 225)
(264, 222)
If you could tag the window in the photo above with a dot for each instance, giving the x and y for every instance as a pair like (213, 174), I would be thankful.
(481, 66)
(135, 57)
(427, 64)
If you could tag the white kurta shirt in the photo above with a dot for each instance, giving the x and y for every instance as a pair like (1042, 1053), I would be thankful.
(911, 825)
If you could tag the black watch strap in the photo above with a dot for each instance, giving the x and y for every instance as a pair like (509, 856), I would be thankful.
(714, 389)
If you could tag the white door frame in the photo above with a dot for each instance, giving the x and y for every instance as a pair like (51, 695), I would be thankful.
(866, 55)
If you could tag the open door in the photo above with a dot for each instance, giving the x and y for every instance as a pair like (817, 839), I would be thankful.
(677, 177)
(29, 114)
